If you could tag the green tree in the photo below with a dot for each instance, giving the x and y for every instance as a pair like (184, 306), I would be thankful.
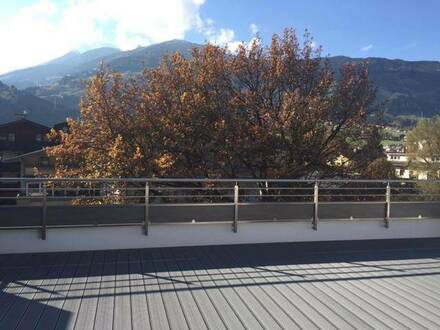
(423, 147)
(379, 169)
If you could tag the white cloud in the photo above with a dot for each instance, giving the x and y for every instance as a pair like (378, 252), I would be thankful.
(253, 28)
(47, 29)
(50, 28)
(366, 48)
(224, 37)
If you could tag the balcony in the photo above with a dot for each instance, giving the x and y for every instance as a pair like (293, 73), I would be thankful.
(166, 254)
(53, 215)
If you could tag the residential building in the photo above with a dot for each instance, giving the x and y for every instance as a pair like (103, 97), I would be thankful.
(22, 136)
(399, 160)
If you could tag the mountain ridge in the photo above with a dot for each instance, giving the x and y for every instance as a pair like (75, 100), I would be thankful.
(408, 87)
(14, 101)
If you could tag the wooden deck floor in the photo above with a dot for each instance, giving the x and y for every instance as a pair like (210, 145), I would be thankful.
(254, 287)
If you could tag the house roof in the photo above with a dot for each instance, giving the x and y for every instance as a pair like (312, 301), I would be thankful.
(25, 121)
(19, 157)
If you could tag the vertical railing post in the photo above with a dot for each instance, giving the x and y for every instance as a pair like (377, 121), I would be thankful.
(147, 208)
(315, 206)
(235, 223)
(44, 212)
(388, 206)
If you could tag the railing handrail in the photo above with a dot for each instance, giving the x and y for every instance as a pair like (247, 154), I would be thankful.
(180, 194)
(189, 180)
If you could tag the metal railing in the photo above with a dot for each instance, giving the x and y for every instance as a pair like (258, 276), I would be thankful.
(275, 198)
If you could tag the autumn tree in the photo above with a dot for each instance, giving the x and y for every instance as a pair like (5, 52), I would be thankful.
(277, 111)
(115, 136)
(423, 147)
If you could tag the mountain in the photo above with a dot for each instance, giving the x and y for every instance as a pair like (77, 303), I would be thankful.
(66, 86)
(134, 61)
(407, 87)
(82, 65)
(14, 101)
(70, 64)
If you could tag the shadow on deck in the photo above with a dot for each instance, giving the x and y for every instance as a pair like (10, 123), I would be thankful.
(387, 284)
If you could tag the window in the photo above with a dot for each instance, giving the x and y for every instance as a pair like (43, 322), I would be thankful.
(3, 138)
(38, 137)
(44, 161)
(11, 137)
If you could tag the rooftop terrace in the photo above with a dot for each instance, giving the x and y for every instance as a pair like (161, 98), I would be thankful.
(270, 286)
(170, 253)
(54, 215)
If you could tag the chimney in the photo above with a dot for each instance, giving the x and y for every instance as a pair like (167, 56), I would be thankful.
(21, 115)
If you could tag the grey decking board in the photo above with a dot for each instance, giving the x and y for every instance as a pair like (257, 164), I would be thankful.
(159, 319)
(363, 310)
(122, 307)
(315, 318)
(426, 279)
(333, 303)
(139, 308)
(173, 309)
(222, 306)
(329, 304)
(300, 317)
(366, 302)
(76, 291)
(26, 311)
(237, 313)
(407, 305)
(409, 294)
(261, 312)
(312, 307)
(53, 309)
(9, 277)
(192, 319)
(243, 311)
(261, 300)
(416, 318)
(189, 306)
(204, 303)
(105, 304)
(213, 292)
(20, 296)
(47, 292)
(417, 287)
(253, 284)
(390, 310)
(282, 301)
(87, 310)
(10, 290)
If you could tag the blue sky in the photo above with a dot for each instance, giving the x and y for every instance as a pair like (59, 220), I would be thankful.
(408, 29)
(44, 29)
